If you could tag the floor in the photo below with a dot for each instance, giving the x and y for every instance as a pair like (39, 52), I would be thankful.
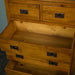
(3, 62)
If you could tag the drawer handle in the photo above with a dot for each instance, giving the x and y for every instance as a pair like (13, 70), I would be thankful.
(14, 47)
(19, 56)
(59, 15)
(22, 11)
(53, 63)
(52, 54)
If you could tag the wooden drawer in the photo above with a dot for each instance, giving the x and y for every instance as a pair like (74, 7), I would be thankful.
(15, 46)
(10, 69)
(38, 52)
(35, 69)
(11, 55)
(40, 62)
(12, 46)
(18, 68)
(4, 46)
(27, 51)
(56, 65)
(57, 54)
(56, 14)
(24, 11)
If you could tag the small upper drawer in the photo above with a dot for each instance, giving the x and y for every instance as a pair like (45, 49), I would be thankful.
(56, 14)
(24, 11)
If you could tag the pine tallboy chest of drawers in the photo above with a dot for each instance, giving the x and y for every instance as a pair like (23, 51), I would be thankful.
(39, 38)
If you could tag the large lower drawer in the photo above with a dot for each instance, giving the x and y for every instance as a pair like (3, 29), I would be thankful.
(10, 69)
(43, 61)
(56, 14)
(47, 62)
(24, 11)
(18, 68)
(39, 52)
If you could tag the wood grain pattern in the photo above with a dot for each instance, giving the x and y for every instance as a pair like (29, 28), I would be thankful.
(49, 14)
(68, 21)
(45, 29)
(45, 2)
(62, 55)
(43, 39)
(33, 11)
(72, 70)
(36, 52)
(11, 56)
(28, 68)
(10, 71)
(9, 31)
(41, 62)
(34, 44)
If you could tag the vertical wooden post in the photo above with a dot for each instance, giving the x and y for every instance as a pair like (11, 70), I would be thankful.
(72, 70)
(7, 10)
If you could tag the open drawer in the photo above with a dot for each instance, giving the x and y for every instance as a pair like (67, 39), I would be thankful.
(17, 68)
(31, 43)
(16, 34)
(36, 45)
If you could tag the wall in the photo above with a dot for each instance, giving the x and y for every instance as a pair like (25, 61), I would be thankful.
(3, 17)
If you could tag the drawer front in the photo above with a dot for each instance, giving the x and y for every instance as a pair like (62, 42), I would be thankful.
(11, 56)
(58, 14)
(47, 64)
(14, 56)
(42, 63)
(57, 65)
(12, 46)
(32, 50)
(4, 46)
(10, 72)
(9, 69)
(15, 46)
(57, 54)
(24, 11)
(30, 69)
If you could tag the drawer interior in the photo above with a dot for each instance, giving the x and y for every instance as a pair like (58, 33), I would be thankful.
(32, 69)
(39, 34)
(43, 39)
